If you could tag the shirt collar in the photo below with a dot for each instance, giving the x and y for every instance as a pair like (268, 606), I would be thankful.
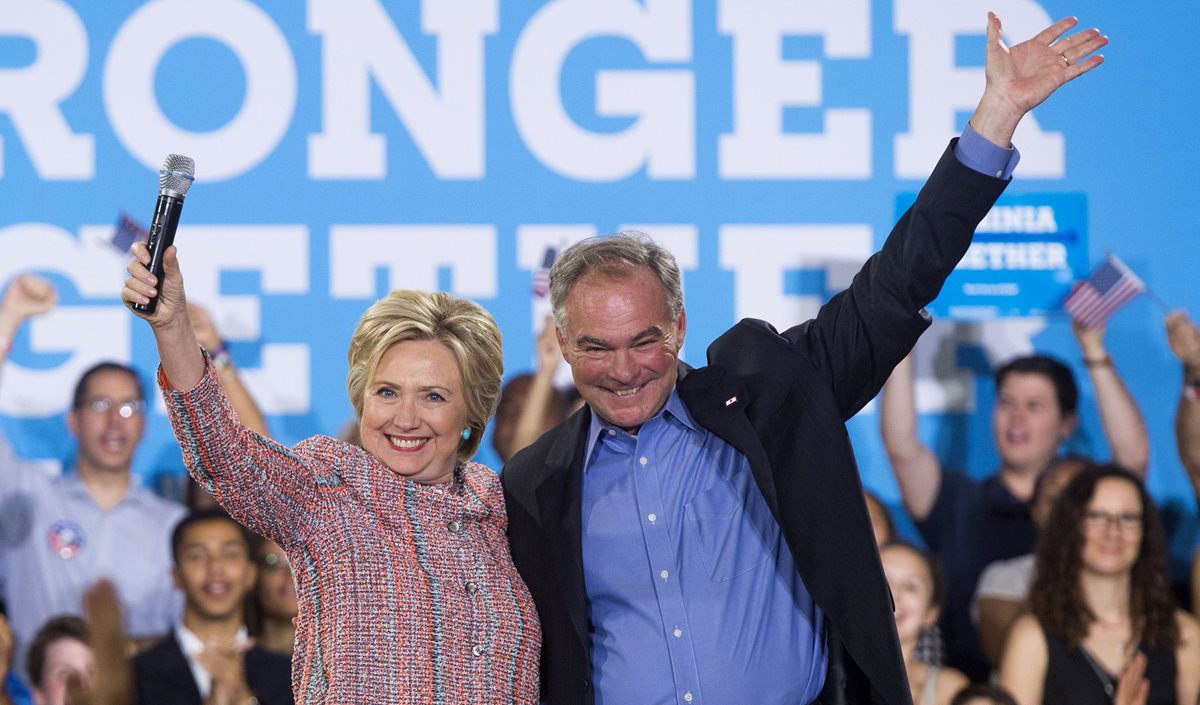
(191, 644)
(73, 484)
(673, 410)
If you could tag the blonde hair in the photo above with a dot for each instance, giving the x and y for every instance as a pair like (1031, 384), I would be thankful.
(464, 327)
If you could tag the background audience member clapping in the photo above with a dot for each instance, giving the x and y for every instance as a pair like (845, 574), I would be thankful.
(209, 657)
(1103, 626)
(77, 662)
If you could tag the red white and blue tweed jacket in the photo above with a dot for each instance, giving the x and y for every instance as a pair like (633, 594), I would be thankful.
(407, 592)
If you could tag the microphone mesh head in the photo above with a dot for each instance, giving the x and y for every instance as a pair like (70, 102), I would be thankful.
(177, 174)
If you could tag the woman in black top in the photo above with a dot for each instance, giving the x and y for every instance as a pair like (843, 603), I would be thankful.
(1103, 626)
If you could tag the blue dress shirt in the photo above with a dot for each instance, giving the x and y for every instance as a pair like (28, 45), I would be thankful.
(693, 594)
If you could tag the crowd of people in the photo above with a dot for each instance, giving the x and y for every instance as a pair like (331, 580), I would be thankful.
(659, 533)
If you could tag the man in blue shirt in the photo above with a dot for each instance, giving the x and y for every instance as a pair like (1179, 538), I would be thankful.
(699, 535)
(59, 535)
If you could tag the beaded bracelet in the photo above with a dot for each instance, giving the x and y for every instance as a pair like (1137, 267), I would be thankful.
(221, 358)
(1191, 389)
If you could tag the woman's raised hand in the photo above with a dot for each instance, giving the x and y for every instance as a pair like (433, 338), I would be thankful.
(140, 287)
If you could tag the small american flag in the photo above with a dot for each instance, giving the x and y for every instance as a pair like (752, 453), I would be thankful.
(127, 232)
(541, 278)
(1109, 287)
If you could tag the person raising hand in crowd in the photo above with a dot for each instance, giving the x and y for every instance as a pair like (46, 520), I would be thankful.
(530, 404)
(972, 523)
(1184, 338)
(210, 339)
(61, 534)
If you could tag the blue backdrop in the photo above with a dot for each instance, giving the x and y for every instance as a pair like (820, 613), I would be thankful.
(346, 147)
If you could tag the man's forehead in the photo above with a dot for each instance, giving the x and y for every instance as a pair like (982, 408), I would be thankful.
(638, 292)
(223, 530)
(111, 382)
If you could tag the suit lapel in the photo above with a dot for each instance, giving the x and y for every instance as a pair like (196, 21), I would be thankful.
(177, 674)
(559, 496)
(718, 403)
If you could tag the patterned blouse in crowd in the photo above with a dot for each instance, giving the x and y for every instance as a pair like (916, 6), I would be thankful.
(407, 592)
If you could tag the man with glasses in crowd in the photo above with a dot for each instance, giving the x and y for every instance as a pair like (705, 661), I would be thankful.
(59, 535)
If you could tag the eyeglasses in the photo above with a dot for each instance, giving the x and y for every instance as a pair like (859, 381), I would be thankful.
(126, 408)
(274, 561)
(1129, 522)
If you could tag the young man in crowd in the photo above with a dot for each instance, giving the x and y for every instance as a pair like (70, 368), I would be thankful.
(208, 658)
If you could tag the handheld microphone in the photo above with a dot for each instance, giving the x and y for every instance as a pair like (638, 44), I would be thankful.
(174, 179)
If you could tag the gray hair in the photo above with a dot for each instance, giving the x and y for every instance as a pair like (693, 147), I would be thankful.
(616, 256)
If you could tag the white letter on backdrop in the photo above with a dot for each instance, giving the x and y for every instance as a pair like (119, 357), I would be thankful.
(412, 256)
(938, 91)
(279, 254)
(359, 42)
(89, 333)
(764, 84)
(264, 54)
(663, 136)
(30, 95)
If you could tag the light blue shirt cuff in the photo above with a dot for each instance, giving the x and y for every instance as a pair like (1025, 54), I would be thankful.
(977, 152)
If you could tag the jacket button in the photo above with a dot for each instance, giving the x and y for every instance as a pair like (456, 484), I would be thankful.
(587, 685)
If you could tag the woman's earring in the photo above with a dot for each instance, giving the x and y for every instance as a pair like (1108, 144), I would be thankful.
(466, 434)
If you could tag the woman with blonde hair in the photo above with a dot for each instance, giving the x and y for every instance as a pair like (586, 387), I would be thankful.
(406, 588)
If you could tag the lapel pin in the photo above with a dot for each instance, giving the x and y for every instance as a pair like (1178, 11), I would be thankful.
(730, 401)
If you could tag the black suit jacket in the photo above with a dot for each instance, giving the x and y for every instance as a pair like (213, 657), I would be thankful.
(782, 400)
(161, 676)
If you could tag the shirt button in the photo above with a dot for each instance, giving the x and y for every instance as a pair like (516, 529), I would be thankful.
(455, 526)
(472, 588)
(663, 574)
(999, 173)
(652, 517)
(612, 432)
(478, 649)
(643, 460)
(678, 632)
(688, 696)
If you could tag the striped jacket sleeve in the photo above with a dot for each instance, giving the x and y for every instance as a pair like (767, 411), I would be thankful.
(272, 490)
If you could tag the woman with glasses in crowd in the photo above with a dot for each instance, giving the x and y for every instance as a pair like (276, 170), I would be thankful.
(1103, 626)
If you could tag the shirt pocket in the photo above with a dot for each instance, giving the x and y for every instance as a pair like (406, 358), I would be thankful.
(723, 534)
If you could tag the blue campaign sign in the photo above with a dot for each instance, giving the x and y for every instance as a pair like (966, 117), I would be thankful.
(347, 147)
(1025, 256)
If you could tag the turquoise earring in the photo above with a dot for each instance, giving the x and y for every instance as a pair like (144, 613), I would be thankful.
(466, 434)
